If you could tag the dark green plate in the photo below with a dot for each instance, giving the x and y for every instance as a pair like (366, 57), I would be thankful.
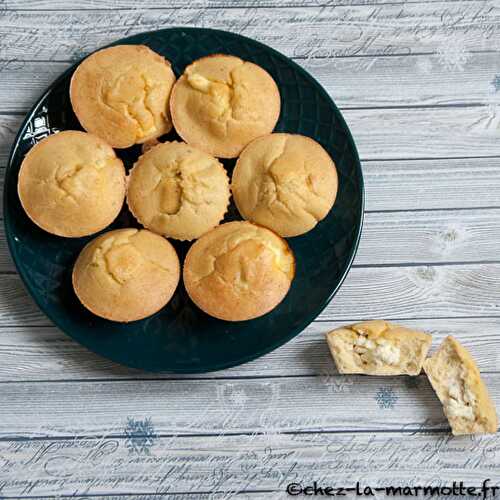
(181, 338)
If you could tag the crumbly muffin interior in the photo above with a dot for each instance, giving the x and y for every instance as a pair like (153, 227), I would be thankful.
(378, 348)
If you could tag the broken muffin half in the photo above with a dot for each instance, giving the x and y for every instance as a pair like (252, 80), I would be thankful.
(378, 348)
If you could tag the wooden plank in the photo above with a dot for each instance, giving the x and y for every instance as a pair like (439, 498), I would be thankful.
(193, 407)
(392, 133)
(425, 133)
(420, 237)
(6, 263)
(228, 464)
(400, 292)
(401, 81)
(22, 83)
(432, 184)
(450, 29)
(34, 354)
(416, 237)
(420, 291)
(407, 80)
(43, 5)
(385, 134)
(303, 392)
(9, 125)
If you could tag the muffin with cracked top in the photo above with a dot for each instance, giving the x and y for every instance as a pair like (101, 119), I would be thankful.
(126, 274)
(238, 271)
(286, 182)
(121, 94)
(72, 184)
(221, 103)
(178, 191)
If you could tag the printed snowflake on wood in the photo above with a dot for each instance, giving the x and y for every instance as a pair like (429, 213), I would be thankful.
(238, 398)
(336, 383)
(424, 65)
(141, 435)
(386, 397)
(453, 53)
(496, 83)
(231, 397)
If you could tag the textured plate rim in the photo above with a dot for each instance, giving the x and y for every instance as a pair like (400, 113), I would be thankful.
(244, 359)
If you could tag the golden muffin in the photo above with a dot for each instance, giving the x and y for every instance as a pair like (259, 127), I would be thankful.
(126, 274)
(238, 271)
(72, 184)
(121, 94)
(178, 191)
(285, 182)
(221, 103)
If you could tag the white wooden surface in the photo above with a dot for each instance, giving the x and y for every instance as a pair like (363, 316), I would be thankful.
(418, 82)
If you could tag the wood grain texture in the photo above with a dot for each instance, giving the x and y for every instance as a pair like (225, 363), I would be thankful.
(420, 80)
(434, 236)
(432, 183)
(402, 133)
(393, 28)
(417, 82)
(262, 464)
(329, 403)
(34, 354)
(393, 238)
(387, 292)
(42, 5)
(425, 133)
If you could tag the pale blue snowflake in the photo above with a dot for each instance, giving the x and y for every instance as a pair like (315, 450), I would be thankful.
(496, 83)
(453, 53)
(386, 397)
(141, 435)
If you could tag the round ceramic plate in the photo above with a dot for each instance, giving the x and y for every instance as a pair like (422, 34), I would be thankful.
(181, 338)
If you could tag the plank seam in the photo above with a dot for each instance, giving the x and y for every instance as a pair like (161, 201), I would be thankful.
(234, 7)
(405, 430)
(293, 58)
(464, 105)
(445, 209)
(135, 495)
(194, 378)
(427, 264)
